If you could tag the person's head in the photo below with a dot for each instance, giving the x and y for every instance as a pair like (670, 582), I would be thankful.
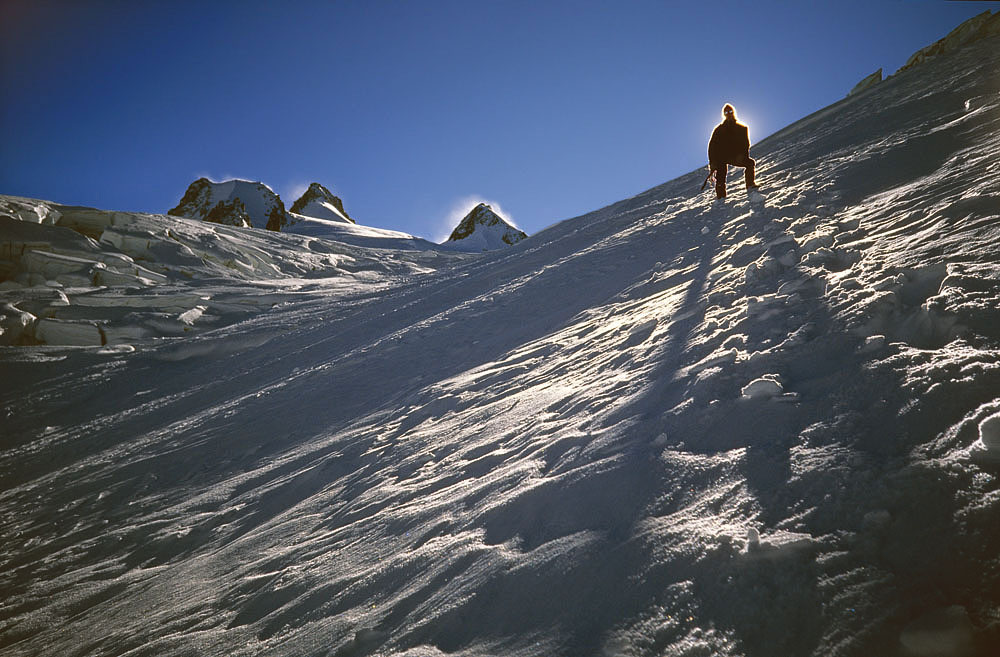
(728, 113)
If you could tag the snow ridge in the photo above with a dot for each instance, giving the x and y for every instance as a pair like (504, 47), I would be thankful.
(977, 28)
(981, 26)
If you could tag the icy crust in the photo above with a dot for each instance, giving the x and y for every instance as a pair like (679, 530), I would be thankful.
(575, 447)
(84, 277)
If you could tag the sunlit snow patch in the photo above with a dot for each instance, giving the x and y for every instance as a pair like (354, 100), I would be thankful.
(987, 447)
(776, 545)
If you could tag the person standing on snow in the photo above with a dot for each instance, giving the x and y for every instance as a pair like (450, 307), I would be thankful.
(730, 144)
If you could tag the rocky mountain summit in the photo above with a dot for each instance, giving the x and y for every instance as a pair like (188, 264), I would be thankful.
(484, 230)
(320, 202)
(234, 203)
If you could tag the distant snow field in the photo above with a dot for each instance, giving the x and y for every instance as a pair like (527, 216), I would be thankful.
(667, 427)
(86, 277)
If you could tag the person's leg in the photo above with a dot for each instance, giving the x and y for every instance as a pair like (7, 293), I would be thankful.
(720, 180)
(748, 164)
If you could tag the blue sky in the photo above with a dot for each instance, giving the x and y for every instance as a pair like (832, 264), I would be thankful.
(412, 111)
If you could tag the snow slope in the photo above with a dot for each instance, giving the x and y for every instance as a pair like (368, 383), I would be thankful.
(358, 235)
(667, 427)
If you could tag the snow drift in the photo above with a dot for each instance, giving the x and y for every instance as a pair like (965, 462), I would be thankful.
(663, 428)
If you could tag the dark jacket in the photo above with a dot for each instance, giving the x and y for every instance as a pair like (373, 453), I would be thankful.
(730, 143)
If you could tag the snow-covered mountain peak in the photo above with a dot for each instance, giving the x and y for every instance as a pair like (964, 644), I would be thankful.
(321, 203)
(484, 230)
(259, 204)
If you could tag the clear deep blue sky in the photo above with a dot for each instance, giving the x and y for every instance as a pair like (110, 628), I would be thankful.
(413, 110)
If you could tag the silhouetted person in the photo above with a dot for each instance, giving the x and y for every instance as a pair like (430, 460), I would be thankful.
(730, 144)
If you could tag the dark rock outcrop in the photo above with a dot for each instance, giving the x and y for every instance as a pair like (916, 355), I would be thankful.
(231, 213)
(869, 81)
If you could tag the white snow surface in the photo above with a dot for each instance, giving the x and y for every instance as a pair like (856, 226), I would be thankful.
(485, 238)
(541, 450)
(81, 276)
(324, 210)
(358, 235)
